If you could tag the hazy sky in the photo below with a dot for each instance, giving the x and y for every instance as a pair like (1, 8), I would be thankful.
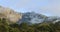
(48, 7)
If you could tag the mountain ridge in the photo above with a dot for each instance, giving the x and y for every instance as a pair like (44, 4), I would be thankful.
(28, 17)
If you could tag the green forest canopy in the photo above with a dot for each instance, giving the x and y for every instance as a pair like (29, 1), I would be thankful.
(24, 27)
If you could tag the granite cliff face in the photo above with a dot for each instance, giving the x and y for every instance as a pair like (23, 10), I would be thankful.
(10, 14)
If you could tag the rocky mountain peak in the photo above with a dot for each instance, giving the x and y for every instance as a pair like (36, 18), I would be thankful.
(10, 14)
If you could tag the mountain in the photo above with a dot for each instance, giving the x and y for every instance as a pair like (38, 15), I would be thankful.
(35, 18)
(32, 18)
(52, 19)
(10, 14)
(28, 17)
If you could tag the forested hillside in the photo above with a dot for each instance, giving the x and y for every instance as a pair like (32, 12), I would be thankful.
(24, 27)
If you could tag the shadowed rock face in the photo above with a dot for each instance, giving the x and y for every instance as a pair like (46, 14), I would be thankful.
(32, 18)
(10, 14)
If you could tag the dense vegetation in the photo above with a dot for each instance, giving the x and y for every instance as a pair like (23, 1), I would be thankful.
(24, 27)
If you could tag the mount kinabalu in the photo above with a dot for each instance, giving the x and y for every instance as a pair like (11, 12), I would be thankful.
(28, 17)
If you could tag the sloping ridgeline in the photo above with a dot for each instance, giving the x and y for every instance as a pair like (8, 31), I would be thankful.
(10, 14)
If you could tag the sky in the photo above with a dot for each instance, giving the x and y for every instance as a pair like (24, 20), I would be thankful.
(47, 7)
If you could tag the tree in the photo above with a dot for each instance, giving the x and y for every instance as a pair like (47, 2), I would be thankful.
(3, 25)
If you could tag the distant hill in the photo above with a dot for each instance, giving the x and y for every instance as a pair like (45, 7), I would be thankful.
(52, 19)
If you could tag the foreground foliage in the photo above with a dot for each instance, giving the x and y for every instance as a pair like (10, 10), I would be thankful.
(24, 27)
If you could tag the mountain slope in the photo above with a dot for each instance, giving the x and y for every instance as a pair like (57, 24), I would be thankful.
(10, 14)
(28, 17)
(35, 18)
(32, 18)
